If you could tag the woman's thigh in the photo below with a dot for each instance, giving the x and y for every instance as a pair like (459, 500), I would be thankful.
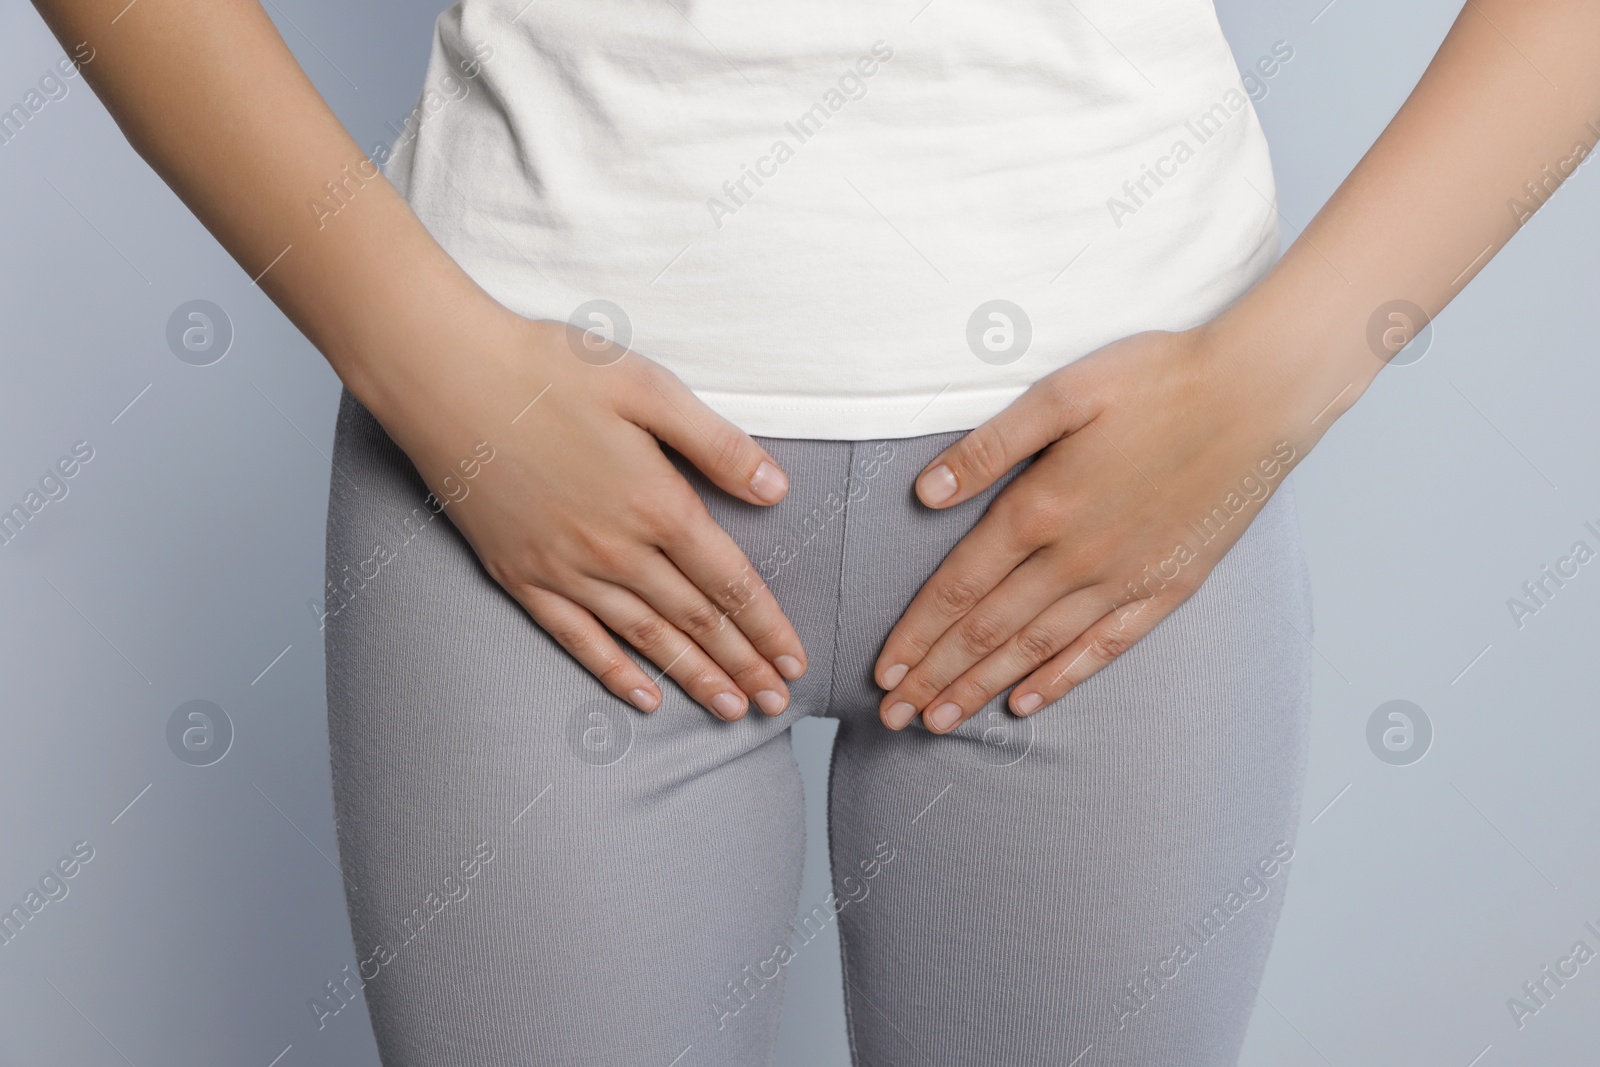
(1100, 880)
(536, 873)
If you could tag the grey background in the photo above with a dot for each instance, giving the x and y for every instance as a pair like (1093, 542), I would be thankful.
(183, 561)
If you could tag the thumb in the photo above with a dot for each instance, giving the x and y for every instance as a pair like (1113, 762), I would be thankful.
(1045, 413)
(723, 452)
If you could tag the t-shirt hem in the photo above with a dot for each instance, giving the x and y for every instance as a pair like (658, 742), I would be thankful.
(844, 418)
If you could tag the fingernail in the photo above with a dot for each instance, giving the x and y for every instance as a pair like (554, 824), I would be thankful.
(899, 715)
(768, 483)
(770, 702)
(894, 675)
(642, 699)
(727, 705)
(1028, 703)
(943, 717)
(938, 485)
(789, 667)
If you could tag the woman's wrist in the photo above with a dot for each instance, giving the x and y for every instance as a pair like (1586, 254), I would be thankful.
(1308, 349)
(411, 335)
(453, 351)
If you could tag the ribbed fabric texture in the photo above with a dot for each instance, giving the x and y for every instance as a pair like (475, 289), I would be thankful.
(538, 875)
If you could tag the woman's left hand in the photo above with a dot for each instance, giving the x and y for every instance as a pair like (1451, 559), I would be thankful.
(1158, 451)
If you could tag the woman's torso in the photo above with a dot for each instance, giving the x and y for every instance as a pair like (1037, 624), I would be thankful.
(806, 209)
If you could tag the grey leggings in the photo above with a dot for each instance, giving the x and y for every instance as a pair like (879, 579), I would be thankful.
(539, 875)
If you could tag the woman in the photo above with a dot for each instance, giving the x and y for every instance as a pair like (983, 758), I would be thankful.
(979, 383)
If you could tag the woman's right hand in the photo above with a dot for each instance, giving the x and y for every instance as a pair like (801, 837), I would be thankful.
(580, 516)
(585, 521)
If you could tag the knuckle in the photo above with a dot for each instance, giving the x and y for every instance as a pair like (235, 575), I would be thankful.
(608, 552)
(702, 620)
(906, 647)
(973, 693)
(572, 637)
(917, 649)
(736, 594)
(670, 518)
(657, 518)
(1139, 612)
(702, 684)
(1036, 644)
(651, 372)
(983, 453)
(732, 446)
(751, 675)
(505, 575)
(1109, 644)
(525, 574)
(956, 595)
(614, 672)
(924, 683)
(768, 641)
(979, 634)
(646, 632)
(647, 380)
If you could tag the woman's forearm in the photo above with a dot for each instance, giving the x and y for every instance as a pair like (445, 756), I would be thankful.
(1511, 98)
(1155, 453)
(582, 519)
(208, 93)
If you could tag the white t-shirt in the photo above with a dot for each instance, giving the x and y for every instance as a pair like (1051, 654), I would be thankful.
(845, 219)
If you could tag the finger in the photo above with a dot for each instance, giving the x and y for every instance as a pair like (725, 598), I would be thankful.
(723, 452)
(1024, 593)
(709, 558)
(1105, 640)
(663, 644)
(666, 588)
(1032, 645)
(576, 630)
(1045, 413)
(1013, 528)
